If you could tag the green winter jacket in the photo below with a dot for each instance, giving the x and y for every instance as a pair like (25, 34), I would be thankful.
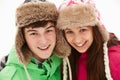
(14, 70)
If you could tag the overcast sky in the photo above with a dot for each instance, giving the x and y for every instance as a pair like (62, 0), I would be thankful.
(109, 9)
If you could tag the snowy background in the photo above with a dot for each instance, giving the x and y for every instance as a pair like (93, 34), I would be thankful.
(109, 9)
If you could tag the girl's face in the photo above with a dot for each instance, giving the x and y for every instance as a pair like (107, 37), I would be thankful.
(41, 40)
(79, 38)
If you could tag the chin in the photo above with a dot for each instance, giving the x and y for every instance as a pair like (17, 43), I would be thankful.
(82, 51)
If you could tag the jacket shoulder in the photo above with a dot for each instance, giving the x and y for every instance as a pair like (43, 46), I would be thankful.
(3, 62)
(114, 52)
(114, 60)
(7, 73)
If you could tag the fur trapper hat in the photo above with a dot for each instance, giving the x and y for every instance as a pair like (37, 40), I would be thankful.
(26, 14)
(35, 11)
(75, 15)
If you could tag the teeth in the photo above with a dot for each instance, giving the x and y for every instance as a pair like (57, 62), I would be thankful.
(43, 47)
(79, 45)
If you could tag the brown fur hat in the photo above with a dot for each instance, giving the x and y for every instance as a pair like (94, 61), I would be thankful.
(74, 16)
(26, 14)
(35, 11)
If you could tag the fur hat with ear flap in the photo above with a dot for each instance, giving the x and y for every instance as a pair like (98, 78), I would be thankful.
(30, 12)
(79, 13)
(75, 14)
(27, 13)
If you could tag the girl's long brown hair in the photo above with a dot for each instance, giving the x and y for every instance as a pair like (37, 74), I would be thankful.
(95, 61)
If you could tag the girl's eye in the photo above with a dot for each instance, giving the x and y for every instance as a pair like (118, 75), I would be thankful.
(68, 32)
(33, 33)
(82, 30)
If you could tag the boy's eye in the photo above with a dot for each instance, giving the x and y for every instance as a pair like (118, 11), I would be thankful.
(33, 33)
(50, 30)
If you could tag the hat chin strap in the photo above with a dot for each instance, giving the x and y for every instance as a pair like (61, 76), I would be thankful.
(106, 62)
(65, 64)
(26, 71)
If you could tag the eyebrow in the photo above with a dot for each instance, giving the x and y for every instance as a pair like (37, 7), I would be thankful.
(67, 29)
(31, 30)
(51, 26)
(70, 29)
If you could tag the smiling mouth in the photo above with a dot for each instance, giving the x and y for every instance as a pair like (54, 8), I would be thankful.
(81, 44)
(44, 47)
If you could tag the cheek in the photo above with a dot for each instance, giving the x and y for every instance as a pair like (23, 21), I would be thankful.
(51, 36)
(30, 40)
(90, 36)
(69, 39)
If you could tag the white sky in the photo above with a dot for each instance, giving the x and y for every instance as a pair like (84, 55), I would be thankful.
(109, 9)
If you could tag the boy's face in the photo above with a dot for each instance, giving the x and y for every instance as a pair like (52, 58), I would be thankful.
(41, 40)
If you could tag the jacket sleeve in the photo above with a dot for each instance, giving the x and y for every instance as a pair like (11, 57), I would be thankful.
(114, 60)
(3, 62)
(8, 73)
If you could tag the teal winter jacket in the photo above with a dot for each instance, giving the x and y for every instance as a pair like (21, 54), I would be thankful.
(14, 70)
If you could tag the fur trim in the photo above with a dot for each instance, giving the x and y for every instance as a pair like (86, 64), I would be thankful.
(22, 49)
(75, 16)
(35, 11)
(62, 48)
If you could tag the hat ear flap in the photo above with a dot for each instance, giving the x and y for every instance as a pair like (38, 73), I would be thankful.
(19, 41)
(62, 48)
(22, 49)
(104, 32)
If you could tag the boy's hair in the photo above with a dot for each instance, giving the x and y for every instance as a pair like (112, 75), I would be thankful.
(40, 24)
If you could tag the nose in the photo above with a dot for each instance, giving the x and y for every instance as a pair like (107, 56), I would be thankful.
(77, 39)
(42, 39)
